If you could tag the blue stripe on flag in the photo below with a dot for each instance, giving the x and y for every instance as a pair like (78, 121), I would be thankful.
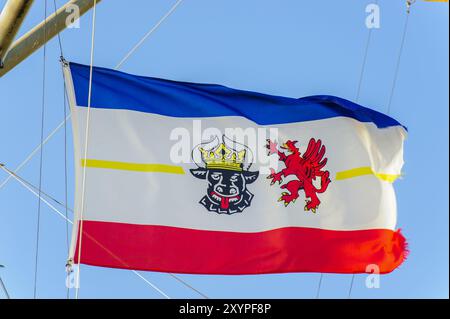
(117, 90)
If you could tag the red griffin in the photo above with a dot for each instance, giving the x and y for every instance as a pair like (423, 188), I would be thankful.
(306, 168)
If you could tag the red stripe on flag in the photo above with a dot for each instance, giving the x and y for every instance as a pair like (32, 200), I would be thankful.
(290, 249)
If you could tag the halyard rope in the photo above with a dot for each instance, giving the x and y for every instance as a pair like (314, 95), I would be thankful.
(61, 54)
(38, 223)
(149, 33)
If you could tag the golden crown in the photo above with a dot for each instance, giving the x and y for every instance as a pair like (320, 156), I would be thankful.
(223, 157)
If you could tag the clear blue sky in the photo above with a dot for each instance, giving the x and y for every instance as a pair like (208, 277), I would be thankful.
(291, 48)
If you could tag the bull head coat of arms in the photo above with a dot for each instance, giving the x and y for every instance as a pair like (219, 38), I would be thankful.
(225, 166)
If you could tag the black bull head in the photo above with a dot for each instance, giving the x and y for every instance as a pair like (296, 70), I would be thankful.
(227, 190)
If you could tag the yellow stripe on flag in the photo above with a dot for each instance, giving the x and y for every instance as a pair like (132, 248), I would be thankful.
(137, 167)
(361, 171)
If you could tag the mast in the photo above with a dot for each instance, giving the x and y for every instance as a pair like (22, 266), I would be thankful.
(40, 34)
(11, 19)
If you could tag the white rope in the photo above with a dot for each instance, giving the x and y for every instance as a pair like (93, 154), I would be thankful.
(149, 33)
(3, 286)
(54, 209)
(31, 155)
(14, 175)
(148, 282)
(86, 141)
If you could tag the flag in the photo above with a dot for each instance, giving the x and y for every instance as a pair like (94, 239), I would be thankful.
(205, 179)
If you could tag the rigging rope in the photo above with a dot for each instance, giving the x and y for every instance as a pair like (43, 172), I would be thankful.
(34, 152)
(148, 282)
(358, 94)
(41, 152)
(397, 66)
(61, 54)
(149, 33)
(30, 187)
(189, 286)
(86, 141)
(59, 35)
(319, 286)
(394, 82)
(350, 289)
(2, 284)
(363, 68)
(15, 176)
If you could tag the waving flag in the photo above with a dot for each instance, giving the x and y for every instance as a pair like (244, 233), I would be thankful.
(199, 178)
